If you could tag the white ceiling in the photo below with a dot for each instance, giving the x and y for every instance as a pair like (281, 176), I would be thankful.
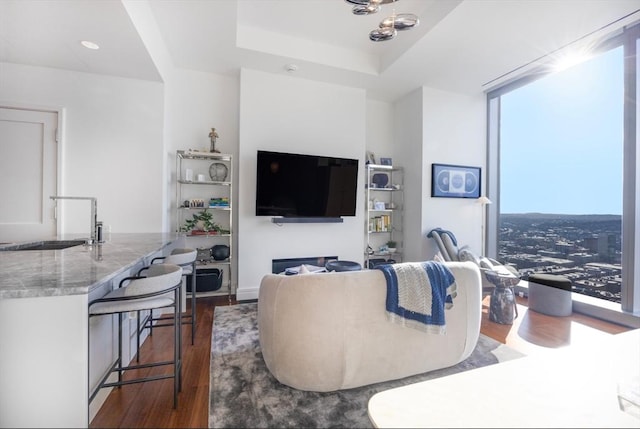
(460, 45)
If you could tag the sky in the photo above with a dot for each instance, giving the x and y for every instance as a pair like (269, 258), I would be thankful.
(561, 141)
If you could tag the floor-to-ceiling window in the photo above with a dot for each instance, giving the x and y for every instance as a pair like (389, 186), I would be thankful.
(560, 166)
(563, 171)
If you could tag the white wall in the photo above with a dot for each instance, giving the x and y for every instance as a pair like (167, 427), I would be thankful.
(409, 154)
(433, 126)
(114, 150)
(454, 132)
(147, 28)
(112, 142)
(289, 114)
(197, 102)
(380, 138)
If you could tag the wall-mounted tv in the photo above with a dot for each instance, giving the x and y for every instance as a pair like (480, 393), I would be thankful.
(299, 186)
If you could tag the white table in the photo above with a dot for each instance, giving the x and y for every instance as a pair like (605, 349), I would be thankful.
(570, 387)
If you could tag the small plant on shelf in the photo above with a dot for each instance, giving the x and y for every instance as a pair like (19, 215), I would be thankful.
(202, 223)
(391, 246)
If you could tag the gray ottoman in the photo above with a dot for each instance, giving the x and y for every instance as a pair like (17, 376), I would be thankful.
(550, 294)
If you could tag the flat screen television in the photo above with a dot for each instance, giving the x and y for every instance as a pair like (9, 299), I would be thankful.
(305, 186)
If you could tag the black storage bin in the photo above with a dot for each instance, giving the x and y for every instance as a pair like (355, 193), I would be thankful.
(374, 262)
(207, 280)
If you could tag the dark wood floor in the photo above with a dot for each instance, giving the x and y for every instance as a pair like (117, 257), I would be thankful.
(150, 404)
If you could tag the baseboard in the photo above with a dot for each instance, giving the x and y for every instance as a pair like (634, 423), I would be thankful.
(247, 294)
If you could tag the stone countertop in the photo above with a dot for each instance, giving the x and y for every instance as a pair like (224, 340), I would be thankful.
(74, 270)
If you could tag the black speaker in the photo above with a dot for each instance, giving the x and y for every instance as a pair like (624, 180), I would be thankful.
(220, 252)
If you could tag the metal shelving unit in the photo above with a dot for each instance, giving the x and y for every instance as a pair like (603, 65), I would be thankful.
(216, 196)
(384, 205)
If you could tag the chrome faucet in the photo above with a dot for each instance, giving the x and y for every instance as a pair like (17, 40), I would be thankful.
(96, 235)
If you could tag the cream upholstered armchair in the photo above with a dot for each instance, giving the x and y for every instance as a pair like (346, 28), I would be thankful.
(448, 246)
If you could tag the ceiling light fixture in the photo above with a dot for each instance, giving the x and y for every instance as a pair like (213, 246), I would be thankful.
(389, 26)
(365, 10)
(401, 21)
(90, 45)
(369, 2)
(383, 33)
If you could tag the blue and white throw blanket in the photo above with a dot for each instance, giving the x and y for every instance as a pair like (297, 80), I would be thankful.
(418, 294)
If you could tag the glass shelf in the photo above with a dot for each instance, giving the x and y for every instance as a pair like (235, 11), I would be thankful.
(381, 167)
(206, 207)
(212, 262)
(383, 254)
(208, 235)
(203, 182)
(384, 189)
(191, 154)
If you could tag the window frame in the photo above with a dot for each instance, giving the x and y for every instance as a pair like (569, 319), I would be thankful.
(628, 312)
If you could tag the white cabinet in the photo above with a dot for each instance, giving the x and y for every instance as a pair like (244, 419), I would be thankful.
(204, 207)
(384, 213)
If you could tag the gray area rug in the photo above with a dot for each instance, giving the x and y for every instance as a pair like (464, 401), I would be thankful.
(244, 394)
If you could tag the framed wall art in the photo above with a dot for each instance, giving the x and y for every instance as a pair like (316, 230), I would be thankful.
(455, 181)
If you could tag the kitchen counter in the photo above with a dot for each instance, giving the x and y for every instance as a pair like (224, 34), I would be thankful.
(52, 353)
(75, 270)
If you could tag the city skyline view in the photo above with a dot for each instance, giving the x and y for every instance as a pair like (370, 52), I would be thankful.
(561, 160)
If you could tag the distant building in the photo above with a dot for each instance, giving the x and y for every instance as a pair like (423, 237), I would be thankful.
(591, 243)
(582, 258)
(603, 245)
(584, 248)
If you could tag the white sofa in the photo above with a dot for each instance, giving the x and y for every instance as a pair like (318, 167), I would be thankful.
(329, 331)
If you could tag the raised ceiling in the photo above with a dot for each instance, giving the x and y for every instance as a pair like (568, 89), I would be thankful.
(460, 45)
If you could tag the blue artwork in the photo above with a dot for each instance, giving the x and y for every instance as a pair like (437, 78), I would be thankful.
(455, 181)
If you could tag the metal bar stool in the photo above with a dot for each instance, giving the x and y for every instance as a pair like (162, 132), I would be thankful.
(185, 258)
(160, 288)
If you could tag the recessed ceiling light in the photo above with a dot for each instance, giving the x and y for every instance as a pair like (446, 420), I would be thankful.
(89, 45)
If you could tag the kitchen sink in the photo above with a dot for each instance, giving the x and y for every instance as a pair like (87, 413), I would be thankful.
(45, 245)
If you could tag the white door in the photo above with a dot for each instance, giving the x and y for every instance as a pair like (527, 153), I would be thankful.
(28, 174)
